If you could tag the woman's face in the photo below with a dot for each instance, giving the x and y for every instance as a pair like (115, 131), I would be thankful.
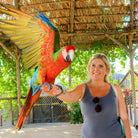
(98, 69)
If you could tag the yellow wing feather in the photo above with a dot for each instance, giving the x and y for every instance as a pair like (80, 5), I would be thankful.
(25, 32)
(16, 11)
(28, 45)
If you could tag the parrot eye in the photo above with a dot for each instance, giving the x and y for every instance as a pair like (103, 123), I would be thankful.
(63, 50)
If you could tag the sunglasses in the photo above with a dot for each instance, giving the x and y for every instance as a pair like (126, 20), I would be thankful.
(98, 107)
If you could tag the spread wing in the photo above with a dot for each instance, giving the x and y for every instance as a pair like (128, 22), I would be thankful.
(36, 37)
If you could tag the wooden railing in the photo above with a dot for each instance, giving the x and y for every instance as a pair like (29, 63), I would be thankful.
(11, 111)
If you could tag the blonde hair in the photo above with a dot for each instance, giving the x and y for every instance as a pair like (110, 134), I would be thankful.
(105, 60)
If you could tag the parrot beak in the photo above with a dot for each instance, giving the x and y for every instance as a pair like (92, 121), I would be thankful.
(70, 56)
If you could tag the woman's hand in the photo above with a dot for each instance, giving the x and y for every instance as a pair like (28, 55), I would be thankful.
(53, 90)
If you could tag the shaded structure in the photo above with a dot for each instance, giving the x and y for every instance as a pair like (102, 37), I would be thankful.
(83, 22)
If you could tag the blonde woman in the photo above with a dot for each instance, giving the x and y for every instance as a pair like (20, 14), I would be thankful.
(98, 102)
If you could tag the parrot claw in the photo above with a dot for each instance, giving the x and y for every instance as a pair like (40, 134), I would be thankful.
(49, 85)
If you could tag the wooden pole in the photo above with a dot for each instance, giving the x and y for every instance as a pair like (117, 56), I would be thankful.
(11, 112)
(71, 30)
(31, 116)
(70, 77)
(132, 79)
(16, 4)
(131, 51)
(17, 70)
(18, 79)
(0, 120)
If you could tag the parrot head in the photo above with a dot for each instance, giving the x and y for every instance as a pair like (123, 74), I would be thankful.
(68, 53)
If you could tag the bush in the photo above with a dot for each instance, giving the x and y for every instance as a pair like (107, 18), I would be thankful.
(75, 113)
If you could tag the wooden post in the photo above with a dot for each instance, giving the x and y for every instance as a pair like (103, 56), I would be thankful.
(71, 30)
(0, 120)
(70, 77)
(132, 79)
(11, 112)
(16, 4)
(18, 79)
(31, 116)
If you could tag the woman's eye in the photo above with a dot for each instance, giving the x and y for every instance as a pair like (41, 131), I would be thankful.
(93, 65)
(101, 66)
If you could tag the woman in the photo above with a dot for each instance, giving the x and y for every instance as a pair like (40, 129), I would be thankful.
(98, 102)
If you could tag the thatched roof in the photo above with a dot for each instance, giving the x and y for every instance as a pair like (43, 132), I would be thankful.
(82, 22)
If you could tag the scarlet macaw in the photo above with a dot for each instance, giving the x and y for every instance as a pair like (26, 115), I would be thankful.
(38, 41)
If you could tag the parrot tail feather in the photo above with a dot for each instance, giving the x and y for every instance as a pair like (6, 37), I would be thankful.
(30, 100)
(20, 121)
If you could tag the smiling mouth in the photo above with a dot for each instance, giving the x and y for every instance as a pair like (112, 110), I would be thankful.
(96, 73)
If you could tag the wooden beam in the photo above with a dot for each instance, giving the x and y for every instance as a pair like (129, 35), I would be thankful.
(124, 78)
(135, 48)
(11, 98)
(4, 47)
(93, 23)
(62, 34)
(117, 42)
(136, 73)
(46, 3)
(62, 2)
(89, 16)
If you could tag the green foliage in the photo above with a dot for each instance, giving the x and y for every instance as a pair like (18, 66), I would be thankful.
(75, 113)
(8, 81)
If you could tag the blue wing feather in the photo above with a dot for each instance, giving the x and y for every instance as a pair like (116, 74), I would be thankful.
(35, 87)
(45, 19)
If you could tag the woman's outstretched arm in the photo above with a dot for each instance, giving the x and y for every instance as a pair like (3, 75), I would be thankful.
(72, 96)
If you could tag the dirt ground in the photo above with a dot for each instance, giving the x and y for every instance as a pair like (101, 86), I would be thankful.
(43, 130)
(48, 130)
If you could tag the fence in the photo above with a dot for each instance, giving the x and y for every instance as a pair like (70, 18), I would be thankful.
(51, 109)
(46, 109)
(129, 104)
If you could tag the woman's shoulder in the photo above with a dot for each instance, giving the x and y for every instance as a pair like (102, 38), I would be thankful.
(116, 86)
(81, 86)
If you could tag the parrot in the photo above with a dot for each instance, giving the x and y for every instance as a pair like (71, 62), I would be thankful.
(39, 43)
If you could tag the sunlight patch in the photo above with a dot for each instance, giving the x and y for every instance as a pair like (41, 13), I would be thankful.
(66, 132)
